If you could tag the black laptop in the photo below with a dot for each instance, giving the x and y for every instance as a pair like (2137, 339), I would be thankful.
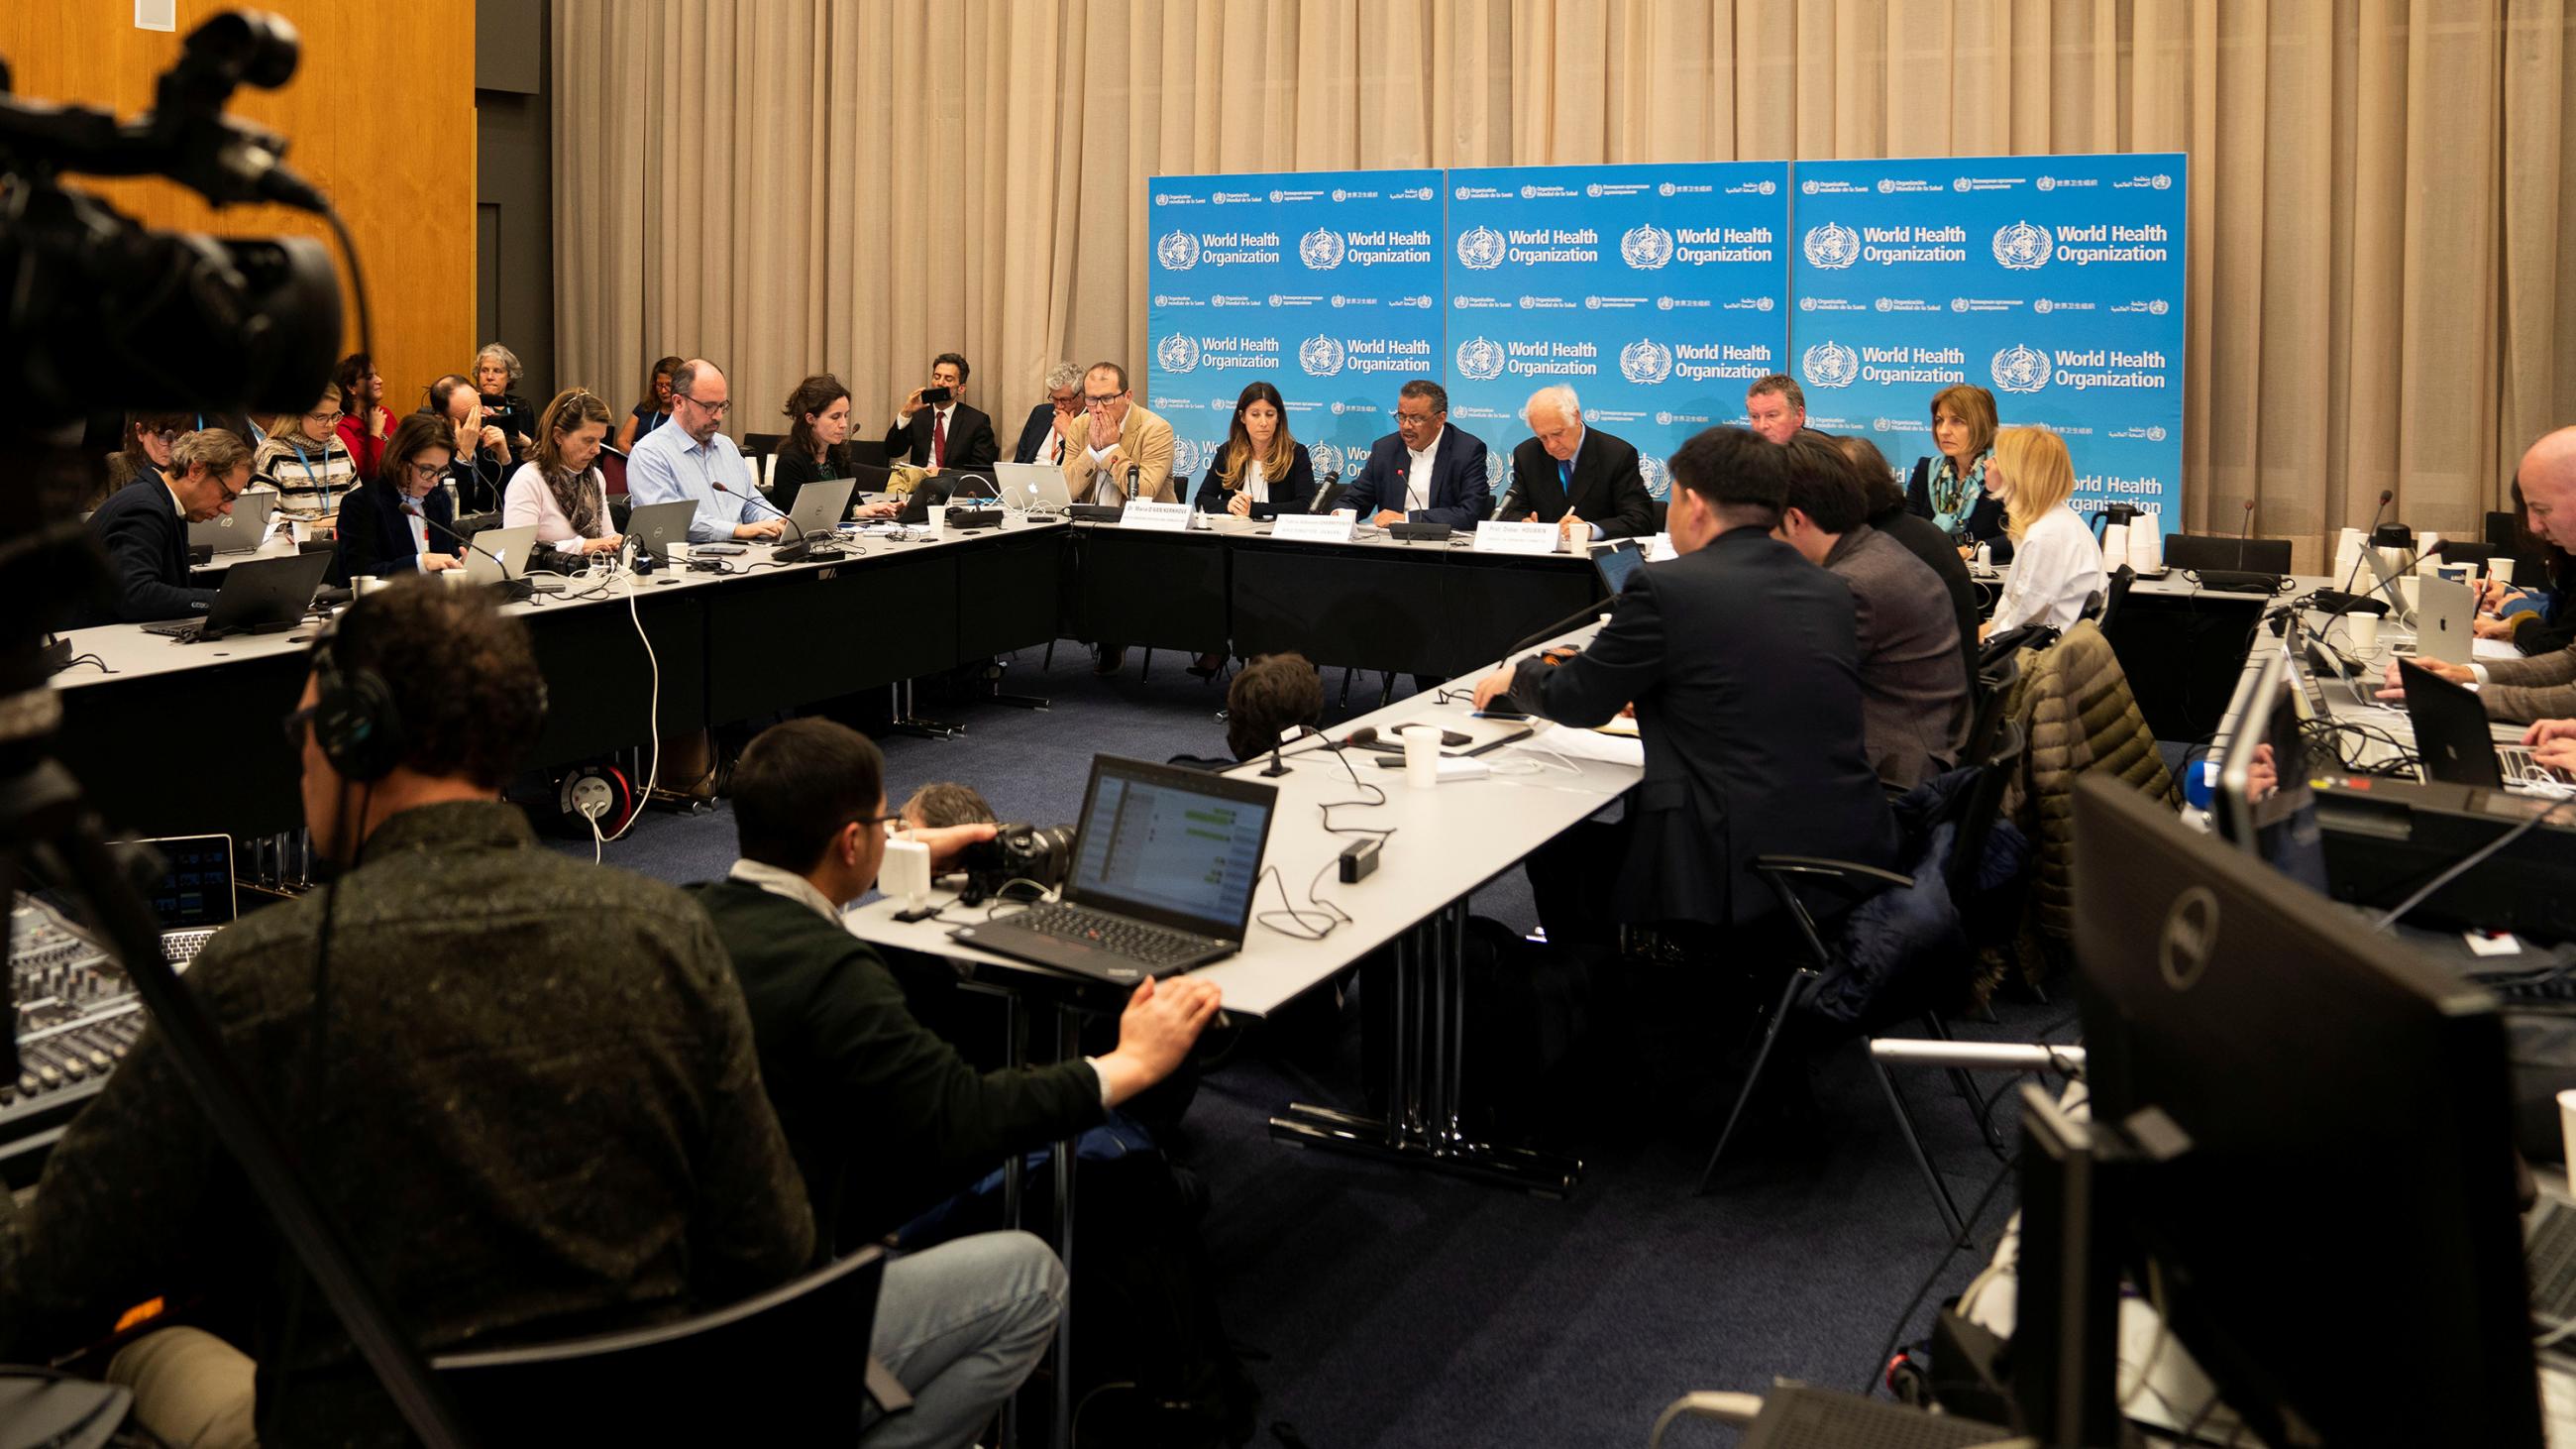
(2455, 741)
(1165, 860)
(1617, 564)
(258, 596)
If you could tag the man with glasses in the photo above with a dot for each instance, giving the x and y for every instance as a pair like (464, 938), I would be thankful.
(1118, 438)
(1422, 472)
(305, 461)
(695, 461)
(1052, 422)
(144, 528)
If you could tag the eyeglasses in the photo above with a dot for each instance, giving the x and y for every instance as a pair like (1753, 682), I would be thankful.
(1103, 401)
(166, 435)
(714, 409)
(426, 472)
(889, 822)
(331, 418)
(1064, 399)
(295, 722)
(229, 491)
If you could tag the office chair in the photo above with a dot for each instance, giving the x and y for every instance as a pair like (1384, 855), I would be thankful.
(2117, 592)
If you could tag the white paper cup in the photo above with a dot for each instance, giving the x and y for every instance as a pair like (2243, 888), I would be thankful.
(1421, 755)
(2567, 1134)
(455, 578)
(2147, 548)
(938, 516)
(2411, 589)
(677, 551)
(2362, 630)
(2500, 570)
(2115, 544)
(363, 584)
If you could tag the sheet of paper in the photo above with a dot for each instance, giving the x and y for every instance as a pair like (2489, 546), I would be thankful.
(1587, 745)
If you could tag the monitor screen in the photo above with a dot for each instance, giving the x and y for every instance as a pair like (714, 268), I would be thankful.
(1618, 563)
(195, 892)
(1172, 845)
(2265, 803)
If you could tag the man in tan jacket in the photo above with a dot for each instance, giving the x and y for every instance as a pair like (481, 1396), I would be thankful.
(1118, 434)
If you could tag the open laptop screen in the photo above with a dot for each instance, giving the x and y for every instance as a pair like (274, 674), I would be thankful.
(195, 892)
(1170, 845)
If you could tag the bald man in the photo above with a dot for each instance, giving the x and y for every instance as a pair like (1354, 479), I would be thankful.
(2541, 688)
(696, 461)
(1584, 481)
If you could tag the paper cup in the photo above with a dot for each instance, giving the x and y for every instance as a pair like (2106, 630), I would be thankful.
(2115, 545)
(2411, 589)
(1421, 755)
(938, 517)
(2147, 548)
(676, 551)
(363, 584)
(2500, 570)
(455, 578)
(2363, 631)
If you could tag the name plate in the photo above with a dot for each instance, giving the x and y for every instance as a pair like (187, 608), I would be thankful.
(1516, 538)
(1660, 548)
(1165, 517)
(1314, 527)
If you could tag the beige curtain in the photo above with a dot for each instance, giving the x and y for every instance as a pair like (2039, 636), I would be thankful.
(2379, 188)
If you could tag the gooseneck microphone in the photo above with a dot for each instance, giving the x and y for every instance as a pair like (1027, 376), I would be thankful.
(2243, 533)
(1133, 469)
(1324, 495)
(516, 586)
(797, 552)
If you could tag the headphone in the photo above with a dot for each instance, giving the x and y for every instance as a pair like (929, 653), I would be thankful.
(355, 720)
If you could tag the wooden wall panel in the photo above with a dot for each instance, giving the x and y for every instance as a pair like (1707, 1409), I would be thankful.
(380, 115)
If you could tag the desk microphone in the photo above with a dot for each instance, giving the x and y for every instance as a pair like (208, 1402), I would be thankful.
(797, 552)
(516, 588)
(1323, 495)
(2343, 600)
(1132, 470)
(2242, 533)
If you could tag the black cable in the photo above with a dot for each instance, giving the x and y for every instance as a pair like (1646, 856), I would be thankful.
(2465, 864)
(357, 279)
(1332, 915)
(1327, 808)
(77, 660)
(1967, 1227)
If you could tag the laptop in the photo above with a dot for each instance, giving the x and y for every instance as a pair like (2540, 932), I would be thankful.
(258, 596)
(2443, 612)
(932, 490)
(2455, 741)
(194, 897)
(657, 526)
(819, 508)
(509, 547)
(240, 531)
(1165, 860)
(1030, 485)
(1617, 563)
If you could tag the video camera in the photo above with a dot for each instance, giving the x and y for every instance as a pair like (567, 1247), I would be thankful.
(1038, 855)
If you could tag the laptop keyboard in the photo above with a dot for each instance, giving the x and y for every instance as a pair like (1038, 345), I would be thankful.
(2521, 769)
(180, 947)
(1136, 940)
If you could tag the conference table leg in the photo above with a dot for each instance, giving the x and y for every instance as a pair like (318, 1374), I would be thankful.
(1068, 1044)
(1425, 1124)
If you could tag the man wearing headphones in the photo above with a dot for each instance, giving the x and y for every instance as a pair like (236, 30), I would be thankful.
(525, 1087)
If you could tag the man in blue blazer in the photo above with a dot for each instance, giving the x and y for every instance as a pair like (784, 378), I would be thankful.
(1422, 472)
(144, 529)
(1042, 436)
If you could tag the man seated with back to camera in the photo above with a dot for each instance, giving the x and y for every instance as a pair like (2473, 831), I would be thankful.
(884, 1117)
(1914, 704)
(1272, 700)
(1743, 663)
(144, 529)
(1890, 514)
(536, 1119)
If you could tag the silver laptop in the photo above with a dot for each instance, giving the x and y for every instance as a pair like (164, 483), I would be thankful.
(657, 526)
(819, 508)
(194, 897)
(2443, 613)
(508, 545)
(240, 531)
(1029, 485)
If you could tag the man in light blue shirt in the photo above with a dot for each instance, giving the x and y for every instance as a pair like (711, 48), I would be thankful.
(691, 459)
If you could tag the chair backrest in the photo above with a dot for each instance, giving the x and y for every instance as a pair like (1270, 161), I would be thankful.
(785, 1366)
(868, 452)
(2219, 551)
(1994, 681)
(1976, 818)
(2503, 531)
(612, 475)
(763, 444)
(2119, 591)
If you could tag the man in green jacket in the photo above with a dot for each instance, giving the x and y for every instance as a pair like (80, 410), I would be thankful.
(884, 1117)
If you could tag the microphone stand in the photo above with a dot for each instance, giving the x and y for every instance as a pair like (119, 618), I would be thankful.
(803, 549)
(516, 590)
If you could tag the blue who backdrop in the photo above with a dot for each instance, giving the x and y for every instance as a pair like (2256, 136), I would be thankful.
(1325, 284)
(2055, 282)
(1658, 292)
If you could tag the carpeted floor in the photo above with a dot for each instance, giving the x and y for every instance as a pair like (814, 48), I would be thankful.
(1388, 1308)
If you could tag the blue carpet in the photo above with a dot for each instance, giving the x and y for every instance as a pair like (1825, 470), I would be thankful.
(1386, 1308)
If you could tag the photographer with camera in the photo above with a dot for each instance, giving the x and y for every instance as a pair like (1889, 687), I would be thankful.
(885, 1118)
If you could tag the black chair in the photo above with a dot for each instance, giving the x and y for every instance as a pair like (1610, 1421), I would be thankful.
(2460, 550)
(774, 1368)
(868, 452)
(2231, 555)
(2116, 595)
(1999, 647)
(2504, 532)
(1986, 716)
(761, 445)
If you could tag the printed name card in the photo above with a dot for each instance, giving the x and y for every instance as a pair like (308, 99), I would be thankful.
(1315, 527)
(1516, 538)
(1165, 517)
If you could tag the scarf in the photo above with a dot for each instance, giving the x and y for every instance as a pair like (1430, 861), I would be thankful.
(1952, 499)
(577, 500)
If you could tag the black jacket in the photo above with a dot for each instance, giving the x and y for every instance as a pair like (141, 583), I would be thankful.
(1033, 433)
(376, 539)
(147, 552)
(970, 440)
(796, 468)
(1985, 520)
(1743, 660)
(1608, 488)
(1292, 494)
(1930, 544)
(1460, 496)
(885, 1118)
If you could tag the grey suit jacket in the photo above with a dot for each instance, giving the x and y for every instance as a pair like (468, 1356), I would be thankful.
(1914, 702)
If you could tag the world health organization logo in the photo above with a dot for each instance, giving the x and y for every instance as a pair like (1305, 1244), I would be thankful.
(2021, 246)
(1646, 247)
(1529, 193)
(1178, 250)
(1480, 248)
(1770, 188)
(1663, 419)
(1274, 196)
(1761, 304)
(1664, 190)
(2047, 183)
(1808, 187)
(1886, 187)
(1958, 183)
(1592, 304)
(1187, 455)
(1663, 304)
(1830, 364)
(2040, 305)
(1340, 195)
(1832, 246)
(1178, 353)
(2159, 307)
(1958, 304)
(1480, 359)
(1497, 468)
(1325, 458)
(1321, 356)
(1321, 250)
(1651, 470)
(2156, 433)
(1645, 361)
(1593, 190)
(2021, 369)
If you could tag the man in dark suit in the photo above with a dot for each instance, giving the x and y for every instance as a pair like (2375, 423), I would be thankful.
(945, 434)
(1422, 472)
(1743, 664)
(1051, 422)
(1582, 480)
(144, 528)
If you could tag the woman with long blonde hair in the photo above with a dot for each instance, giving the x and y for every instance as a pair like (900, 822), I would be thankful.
(2056, 564)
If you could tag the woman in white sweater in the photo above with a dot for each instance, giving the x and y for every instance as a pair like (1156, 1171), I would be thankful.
(2056, 565)
(556, 489)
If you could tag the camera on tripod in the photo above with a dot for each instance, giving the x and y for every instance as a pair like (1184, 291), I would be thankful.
(1040, 856)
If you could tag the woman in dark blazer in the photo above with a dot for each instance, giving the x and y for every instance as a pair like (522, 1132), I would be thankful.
(817, 449)
(401, 519)
(1948, 486)
(1261, 472)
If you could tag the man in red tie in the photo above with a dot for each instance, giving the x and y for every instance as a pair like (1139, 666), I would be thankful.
(934, 429)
